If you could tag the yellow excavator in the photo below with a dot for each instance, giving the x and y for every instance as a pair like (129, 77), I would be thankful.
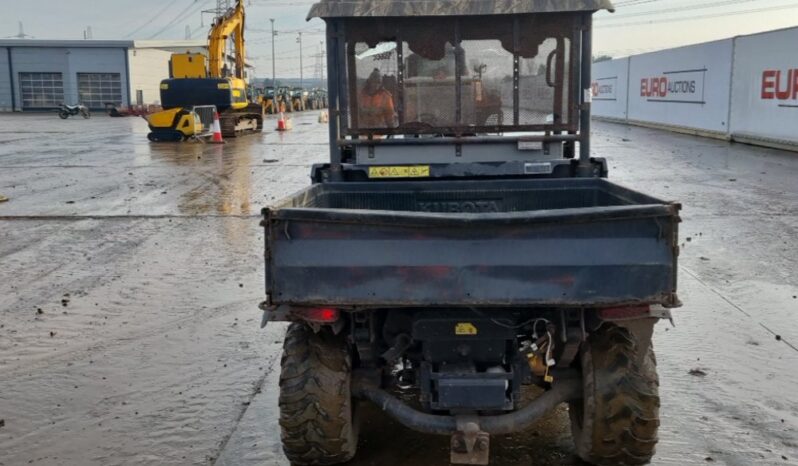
(193, 83)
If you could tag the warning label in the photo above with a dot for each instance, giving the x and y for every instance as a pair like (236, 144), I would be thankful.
(402, 171)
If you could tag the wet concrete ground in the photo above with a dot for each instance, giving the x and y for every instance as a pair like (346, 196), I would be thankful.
(130, 275)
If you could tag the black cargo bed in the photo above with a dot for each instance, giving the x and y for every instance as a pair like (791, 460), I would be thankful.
(543, 242)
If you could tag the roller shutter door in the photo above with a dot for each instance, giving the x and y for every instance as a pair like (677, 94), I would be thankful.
(97, 89)
(41, 90)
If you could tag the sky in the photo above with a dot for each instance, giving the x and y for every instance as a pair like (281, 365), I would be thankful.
(637, 26)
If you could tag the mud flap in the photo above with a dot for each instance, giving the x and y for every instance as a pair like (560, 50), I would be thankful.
(470, 445)
(642, 330)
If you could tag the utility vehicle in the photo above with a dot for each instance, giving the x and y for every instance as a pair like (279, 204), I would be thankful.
(467, 271)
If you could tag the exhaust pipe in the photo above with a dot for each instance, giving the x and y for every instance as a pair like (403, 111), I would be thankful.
(566, 389)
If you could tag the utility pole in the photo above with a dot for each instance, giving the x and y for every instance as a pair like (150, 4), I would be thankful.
(274, 69)
(301, 77)
(21, 34)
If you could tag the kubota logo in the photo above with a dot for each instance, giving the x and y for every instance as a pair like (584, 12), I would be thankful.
(780, 85)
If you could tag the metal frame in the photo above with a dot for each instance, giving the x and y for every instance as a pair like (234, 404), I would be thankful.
(345, 52)
(584, 114)
(577, 128)
(11, 81)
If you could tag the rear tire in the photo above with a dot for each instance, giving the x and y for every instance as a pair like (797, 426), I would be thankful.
(617, 420)
(63, 115)
(316, 408)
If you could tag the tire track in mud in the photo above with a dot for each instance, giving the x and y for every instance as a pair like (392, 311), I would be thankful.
(731, 303)
(273, 366)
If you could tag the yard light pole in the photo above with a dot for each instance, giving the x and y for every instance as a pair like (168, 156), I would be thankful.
(301, 77)
(274, 73)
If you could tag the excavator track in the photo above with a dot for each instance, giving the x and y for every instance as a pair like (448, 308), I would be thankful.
(236, 123)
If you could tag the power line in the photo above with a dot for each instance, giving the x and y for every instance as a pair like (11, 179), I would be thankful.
(633, 3)
(699, 6)
(691, 18)
(149, 21)
(185, 13)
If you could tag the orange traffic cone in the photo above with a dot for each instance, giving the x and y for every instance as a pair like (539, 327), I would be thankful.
(282, 123)
(217, 130)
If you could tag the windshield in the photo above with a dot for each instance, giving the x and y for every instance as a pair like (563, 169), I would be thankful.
(462, 75)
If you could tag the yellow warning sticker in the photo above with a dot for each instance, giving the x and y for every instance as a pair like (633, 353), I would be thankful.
(164, 86)
(465, 328)
(402, 171)
(223, 86)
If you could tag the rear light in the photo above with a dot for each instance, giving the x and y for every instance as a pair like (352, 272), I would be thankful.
(626, 312)
(320, 315)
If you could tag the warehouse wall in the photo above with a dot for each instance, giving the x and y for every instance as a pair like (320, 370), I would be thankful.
(147, 68)
(5, 82)
(764, 104)
(69, 61)
(743, 89)
(610, 82)
(687, 87)
(43, 60)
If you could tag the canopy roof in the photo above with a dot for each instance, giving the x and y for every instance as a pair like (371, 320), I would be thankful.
(400, 8)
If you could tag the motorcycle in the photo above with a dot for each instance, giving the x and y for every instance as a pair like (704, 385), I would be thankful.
(65, 111)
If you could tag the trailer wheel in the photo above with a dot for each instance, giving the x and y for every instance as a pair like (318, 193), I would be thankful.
(316, 408)
(616, 422)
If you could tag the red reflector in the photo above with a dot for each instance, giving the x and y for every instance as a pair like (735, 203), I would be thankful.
(627, 312)
(321, 315)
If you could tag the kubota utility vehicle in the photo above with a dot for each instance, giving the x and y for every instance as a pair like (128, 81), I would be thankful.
(483, 263)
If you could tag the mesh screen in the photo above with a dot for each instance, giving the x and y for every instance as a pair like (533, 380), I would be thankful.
(538, 96)
(404, 76)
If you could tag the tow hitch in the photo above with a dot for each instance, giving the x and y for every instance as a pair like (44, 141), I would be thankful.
(471, 433)
(470, 445)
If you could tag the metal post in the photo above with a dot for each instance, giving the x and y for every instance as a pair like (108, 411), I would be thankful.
(516, 72)
(458, 53)
(301, 76)
(321, 43)
(11, 81)
(586, 96)
(334, 102)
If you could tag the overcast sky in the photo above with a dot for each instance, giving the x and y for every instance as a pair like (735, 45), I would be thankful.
(637, 26)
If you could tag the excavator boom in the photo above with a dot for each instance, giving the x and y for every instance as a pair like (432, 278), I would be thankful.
(229, 24)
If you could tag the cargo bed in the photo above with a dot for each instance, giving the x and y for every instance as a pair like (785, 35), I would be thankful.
(533, 242)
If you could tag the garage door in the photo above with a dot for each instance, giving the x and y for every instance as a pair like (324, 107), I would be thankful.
(41, 90)
(95, 89)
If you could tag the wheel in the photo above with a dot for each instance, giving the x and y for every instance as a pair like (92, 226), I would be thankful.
(86, 114)
(63, 114)
(316, 408)
(617, 420)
